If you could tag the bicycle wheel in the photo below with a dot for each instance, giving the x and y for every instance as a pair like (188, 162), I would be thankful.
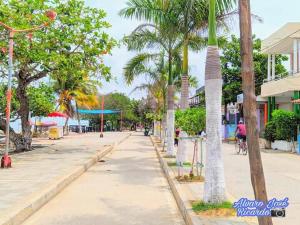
(245, 150)
(238, 147)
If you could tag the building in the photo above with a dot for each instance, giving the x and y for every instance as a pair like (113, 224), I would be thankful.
(282, 91)
(197, 99)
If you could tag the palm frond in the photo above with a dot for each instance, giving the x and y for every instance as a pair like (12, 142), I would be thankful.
(138, 66)
(148, 10)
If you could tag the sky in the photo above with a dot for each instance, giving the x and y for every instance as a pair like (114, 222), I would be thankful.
(275, 13)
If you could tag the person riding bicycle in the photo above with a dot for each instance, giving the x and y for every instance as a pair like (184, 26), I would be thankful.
(241, 131)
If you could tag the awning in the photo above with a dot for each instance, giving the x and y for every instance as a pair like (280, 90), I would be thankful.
(57, 114)
(98, 111)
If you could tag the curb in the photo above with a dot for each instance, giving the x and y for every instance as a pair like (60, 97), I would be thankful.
(189, 216)
(35, 201)
(186, 210)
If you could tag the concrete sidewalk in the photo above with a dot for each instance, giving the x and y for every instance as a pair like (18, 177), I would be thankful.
(281, 174)
(191, 191)
(39, 169)
(129, 188)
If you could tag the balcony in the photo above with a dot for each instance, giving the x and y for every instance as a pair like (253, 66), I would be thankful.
(281, 85)
(284, 41)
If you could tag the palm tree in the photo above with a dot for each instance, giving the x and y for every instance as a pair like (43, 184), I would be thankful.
(191, 19)
(79, 89)
(256, 167)
(153, 67)
(214, 187)
(160, 36)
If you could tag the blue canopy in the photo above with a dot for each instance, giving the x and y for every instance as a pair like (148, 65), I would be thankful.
(98, 111)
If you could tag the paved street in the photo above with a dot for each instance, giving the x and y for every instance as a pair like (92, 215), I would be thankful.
(282, 177)
(52, 159)
(128, 188)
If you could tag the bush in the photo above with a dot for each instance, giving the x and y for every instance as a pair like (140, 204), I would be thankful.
(270, 131)
(191, 120)
(282, 126)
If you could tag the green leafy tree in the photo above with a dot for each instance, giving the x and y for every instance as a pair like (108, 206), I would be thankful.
(41, 100)
(160, 33)
(119, 101)
(191, 120)
(231, 68)
(73, 43)
(14, 102)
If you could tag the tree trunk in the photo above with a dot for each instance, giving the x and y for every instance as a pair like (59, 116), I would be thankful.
(66, 128)
(184, 104)
(170, 110)
(78, 118)
(160, 129)
(214, 186)
(163, 131)
(16, 139)
(256, 167)
(170, 121)
(181, 155)
(24, 114)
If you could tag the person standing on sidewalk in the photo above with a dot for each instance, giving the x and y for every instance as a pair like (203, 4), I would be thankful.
(177, 132)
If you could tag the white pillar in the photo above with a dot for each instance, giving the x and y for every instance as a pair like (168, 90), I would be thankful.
(182, 152)
(295, 69)
(291, 63)
(269, 67)
(273, 67)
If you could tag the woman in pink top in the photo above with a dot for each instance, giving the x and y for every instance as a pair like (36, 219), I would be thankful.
(241, 131)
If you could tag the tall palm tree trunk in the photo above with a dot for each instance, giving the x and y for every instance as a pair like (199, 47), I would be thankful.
(66, 127)
(184, 104)
(256, 167)
(170, 111)
(214, 186)
(170, 121)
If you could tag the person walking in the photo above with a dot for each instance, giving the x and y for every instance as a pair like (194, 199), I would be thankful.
(177, 132)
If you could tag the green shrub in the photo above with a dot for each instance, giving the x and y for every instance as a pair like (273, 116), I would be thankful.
(285, 123)
(270, 131)
(191, 120)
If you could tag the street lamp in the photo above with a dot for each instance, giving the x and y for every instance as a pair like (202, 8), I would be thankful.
(6, 160)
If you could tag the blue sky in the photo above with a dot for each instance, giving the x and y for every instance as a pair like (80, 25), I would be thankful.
(275, 13)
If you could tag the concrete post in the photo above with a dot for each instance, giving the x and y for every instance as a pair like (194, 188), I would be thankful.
(295, 53)
(269, 67)
(273, 67)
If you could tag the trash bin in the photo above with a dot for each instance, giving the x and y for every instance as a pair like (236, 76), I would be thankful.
(55, 133)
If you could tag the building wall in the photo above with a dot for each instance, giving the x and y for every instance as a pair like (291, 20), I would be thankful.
(286, 106)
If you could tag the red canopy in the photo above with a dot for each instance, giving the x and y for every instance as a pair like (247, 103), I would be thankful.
(57, 114)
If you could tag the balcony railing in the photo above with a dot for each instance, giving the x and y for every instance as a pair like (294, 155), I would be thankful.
(280, 76)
